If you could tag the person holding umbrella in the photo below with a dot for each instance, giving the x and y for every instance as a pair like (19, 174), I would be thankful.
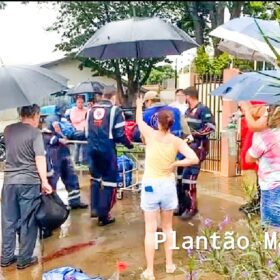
(25, 175)
(265, 150)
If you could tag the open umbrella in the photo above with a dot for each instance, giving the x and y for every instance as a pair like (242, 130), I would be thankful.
(258, 86)
(137, 38)
(24, 85)
(87, 87)
(242, 38)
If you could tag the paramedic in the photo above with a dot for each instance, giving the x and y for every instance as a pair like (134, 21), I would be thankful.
(104, 128)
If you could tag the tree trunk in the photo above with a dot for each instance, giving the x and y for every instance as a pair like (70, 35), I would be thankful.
(197, 22)
(235, 9)
(217, 19)
(132, 90)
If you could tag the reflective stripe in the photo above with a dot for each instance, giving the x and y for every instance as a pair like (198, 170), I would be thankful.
(52, 140)
(187, 181)
(109, 184)
(50, 173)
(74, 197)
(73, 192)
(191, 120)
(210, 125)
(102, 105)
(118, 125)
(179, 176)
(97, 179)
(86, 128)
(112, 117)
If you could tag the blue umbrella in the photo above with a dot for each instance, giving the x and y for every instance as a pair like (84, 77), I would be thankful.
(258, 86)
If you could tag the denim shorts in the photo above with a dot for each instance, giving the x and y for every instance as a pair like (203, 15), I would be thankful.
(159, 194)
(270, 207)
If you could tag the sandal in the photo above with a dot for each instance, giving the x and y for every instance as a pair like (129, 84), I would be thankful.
(147, 276)
(170, 268)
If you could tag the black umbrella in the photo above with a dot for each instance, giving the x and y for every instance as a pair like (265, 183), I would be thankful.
(25, 85)
(87, 87)
(137, 38)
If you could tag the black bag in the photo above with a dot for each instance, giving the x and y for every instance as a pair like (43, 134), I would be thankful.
(51, 212)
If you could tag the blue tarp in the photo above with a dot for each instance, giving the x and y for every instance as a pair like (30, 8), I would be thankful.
(125, 163)
(68, 273)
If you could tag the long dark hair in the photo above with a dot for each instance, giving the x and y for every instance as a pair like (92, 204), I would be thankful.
(166, 120)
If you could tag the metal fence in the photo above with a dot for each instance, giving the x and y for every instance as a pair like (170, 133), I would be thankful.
(204, 86)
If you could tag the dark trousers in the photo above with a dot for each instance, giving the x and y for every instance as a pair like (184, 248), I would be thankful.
(187, 193)
(102, 199)
(64, 168)
(104, 171)
(16, 202)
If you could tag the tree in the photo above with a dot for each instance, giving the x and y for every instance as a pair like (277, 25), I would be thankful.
(205, 65)
(201, 17)
(161, 73)
(78, 21)
(2, 5)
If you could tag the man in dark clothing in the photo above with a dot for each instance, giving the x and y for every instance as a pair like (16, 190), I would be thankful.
(62, 162)
(202, 124)
(25, 175)
(104, 128)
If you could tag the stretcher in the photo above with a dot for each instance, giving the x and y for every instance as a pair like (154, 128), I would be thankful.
(137, 156)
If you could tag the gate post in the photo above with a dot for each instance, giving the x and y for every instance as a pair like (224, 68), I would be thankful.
(228, 162)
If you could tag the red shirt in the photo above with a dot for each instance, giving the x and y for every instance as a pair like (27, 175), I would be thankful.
(246, 143)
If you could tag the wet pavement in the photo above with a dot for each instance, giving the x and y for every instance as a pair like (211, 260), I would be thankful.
(82, 244)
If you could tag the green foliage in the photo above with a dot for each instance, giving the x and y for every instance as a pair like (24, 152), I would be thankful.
(229, 260)
(204, 65)
(243, 65)
(202, 62)
(218, 64)
(263, 9)
(160, 73)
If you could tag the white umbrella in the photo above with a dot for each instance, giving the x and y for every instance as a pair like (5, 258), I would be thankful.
(243, 52)
(243, 39)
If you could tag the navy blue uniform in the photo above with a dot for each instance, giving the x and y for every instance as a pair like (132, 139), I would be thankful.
(62, 164)
(202, 124)
(105, 127)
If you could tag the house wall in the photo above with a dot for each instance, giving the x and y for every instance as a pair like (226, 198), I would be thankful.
(70, 70)
(8, 117)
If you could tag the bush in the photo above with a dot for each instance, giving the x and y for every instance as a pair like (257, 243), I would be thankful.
(204, 65)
